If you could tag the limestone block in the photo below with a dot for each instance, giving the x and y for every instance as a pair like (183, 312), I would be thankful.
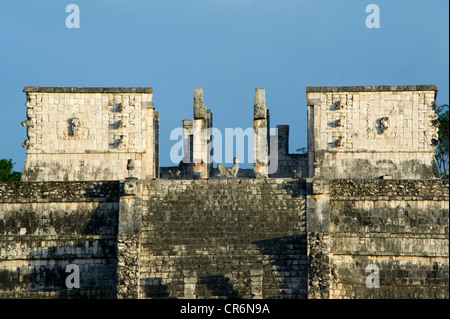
(200, 111)
(260, 109)
(72, 121)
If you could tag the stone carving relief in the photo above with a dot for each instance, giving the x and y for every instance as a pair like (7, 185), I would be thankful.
(75, 126)
(129, 186)
(434, 105)
(118, 141)
(117, 121)
(340, 141)
(68, 127)
(317, 186)
(435, 139)
(131, 100)
(435, 119)
(123, 141)
(30, 101)
(297, 174)
(260, 109)
(28, 123)
(116, 105)
(200, 111)
(173, 175)
(229, 172)
(337, 105)
(370, 133)
(27, 144)
(39, 100)
(130, 167)
(131, 119)
(384, 123)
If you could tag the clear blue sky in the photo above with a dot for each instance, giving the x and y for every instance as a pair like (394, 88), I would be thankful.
(227, 47)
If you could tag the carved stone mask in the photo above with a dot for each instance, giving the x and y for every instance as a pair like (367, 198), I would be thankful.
(75, 124)
(384, 123)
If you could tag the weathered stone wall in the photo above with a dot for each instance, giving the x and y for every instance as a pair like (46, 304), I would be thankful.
(367, 132)
(223, 239)
(184, 174)
(286, 163)
(219, 238)
(399, 226)
(84, 134)
(46, 226)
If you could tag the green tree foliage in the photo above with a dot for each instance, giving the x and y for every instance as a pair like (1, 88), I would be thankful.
(6, 171)
(302, 150)
(442, 149)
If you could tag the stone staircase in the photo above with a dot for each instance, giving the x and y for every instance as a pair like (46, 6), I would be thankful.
(242, 238)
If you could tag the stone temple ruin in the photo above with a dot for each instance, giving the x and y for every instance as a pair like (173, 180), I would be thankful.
(365, 196)
(83, 134)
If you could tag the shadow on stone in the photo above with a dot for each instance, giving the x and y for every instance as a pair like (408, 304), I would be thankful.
(220, 287)
(84, 238)
(296, 187)
(153, 288)
(288, 256)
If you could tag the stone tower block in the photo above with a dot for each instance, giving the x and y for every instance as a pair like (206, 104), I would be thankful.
(84, 134)
(202, 140)
(372, 131)
(261, 134)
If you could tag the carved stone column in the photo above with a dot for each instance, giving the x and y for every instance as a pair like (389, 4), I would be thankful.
(202, 120)
(261, 134)
(318, 238)
(128, 239)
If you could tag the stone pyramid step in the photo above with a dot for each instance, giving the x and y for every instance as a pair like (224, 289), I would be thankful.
(223, 232)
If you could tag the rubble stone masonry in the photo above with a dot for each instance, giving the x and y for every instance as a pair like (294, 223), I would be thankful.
(236, 238)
